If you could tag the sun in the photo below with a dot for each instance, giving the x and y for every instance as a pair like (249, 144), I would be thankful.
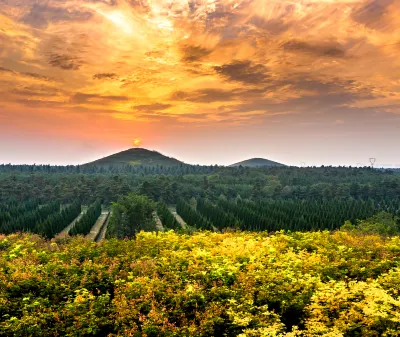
(137, 142)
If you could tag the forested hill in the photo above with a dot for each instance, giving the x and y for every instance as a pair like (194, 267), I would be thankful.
(137, 157)
(257, 162)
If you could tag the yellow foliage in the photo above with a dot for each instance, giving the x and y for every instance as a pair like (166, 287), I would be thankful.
(206, 284)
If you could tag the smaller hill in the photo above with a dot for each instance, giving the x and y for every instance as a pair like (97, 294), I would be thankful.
(136, 156)
(256, 162)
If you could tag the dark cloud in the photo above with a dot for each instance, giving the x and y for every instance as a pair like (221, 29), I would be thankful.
(37, 76)
(243, 71)
(5, 70)
(194, 53)
(320, 98)
(204, 96)
(26, 74)
(325, 96)
(329, 50)
(79, 98)
(336, 91)
(39, 103)
(153, 107)
(272, 26)
(36, 90)
(40, 15)
(65, 62)
(372, 13)
(103, 76)
(27, 92)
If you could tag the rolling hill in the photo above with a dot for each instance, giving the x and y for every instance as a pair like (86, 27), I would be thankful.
(256, 162)
(136, 156)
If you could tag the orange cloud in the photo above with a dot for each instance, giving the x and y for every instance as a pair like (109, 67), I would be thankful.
(199, 62)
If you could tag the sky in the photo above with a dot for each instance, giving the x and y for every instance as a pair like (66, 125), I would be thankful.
(205, 81)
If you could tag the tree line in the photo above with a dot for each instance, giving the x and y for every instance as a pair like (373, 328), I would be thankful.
(255, 184)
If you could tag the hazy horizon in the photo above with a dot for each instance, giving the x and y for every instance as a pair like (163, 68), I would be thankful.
(236, 159)
(205, 81)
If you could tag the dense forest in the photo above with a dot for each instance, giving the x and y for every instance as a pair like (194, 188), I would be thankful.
(171, 183)
(211, 197)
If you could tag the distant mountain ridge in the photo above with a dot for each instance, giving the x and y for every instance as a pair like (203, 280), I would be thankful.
(144, 157)
(256, 162)
(136, 157)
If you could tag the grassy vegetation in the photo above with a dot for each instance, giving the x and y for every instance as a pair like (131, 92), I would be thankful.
(207, 284)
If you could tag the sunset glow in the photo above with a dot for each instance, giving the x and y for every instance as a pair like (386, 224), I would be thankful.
(290, 80)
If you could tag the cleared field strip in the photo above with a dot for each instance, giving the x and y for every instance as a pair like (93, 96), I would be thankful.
(178, 217)
(94, 232)
(66, 230)
(158, 222)
(103, 231)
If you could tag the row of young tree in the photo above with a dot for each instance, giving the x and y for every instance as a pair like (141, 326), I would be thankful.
(166, 217)
(12, 209)
(47, 220)
(56, 222)
(87, 221)
(191, 216)
(274, 215)
(29, 220)
(303, 215)
(219, 217)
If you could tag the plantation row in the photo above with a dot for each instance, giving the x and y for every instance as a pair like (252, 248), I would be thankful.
(13, 208)
(57, 221)
(191, 216)
(133, 213)
(47, 220)
(274, 215)
(85, 224)
(166, 217)
(29, 220)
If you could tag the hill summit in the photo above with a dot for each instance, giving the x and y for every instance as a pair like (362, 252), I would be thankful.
(256, 162)
(136, 156)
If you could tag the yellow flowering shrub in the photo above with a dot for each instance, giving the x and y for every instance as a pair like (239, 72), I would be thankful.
(205, 284)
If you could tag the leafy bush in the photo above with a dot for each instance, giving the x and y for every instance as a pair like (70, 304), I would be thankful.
(383, 223)
(207, 284)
